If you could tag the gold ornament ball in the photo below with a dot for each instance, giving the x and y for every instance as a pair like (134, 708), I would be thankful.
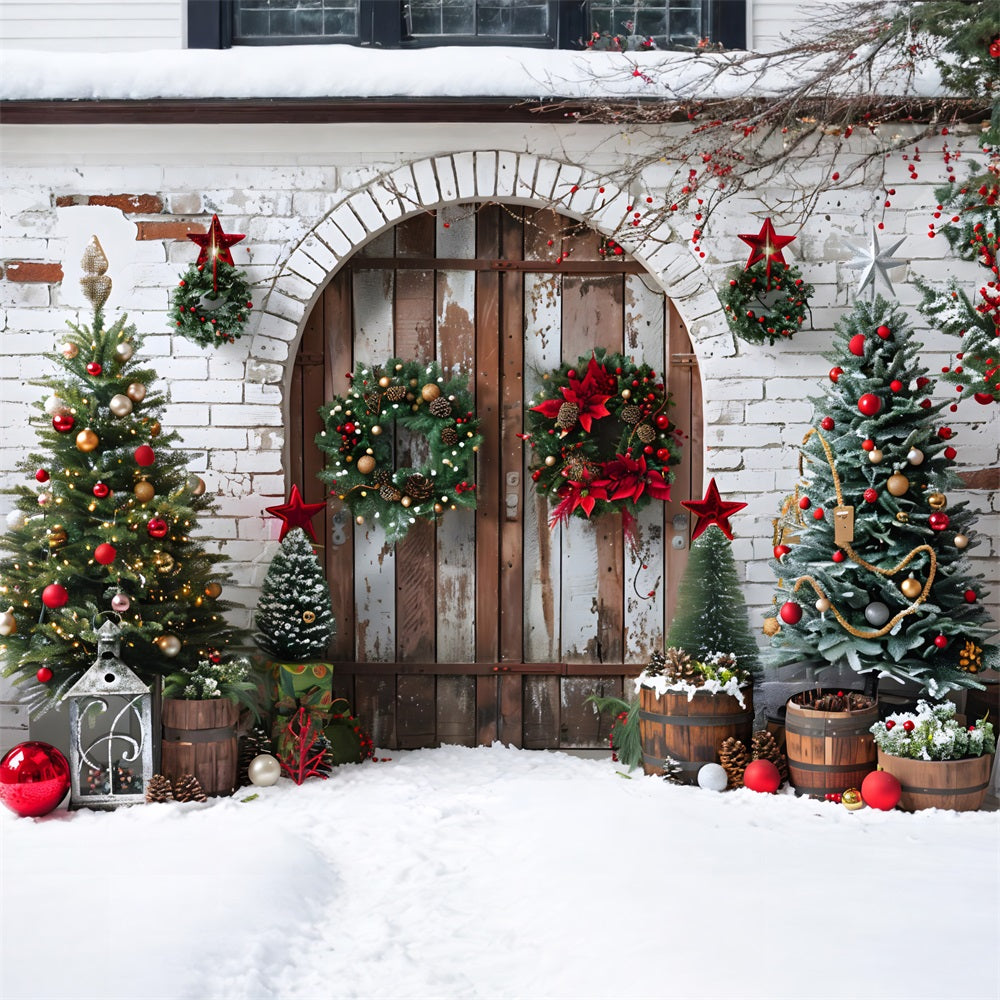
(875, 456)
(155, 428)
(961, 541)
(851, 799)
(626, 393)
(359, 520)
(169, 644)
(376, 430)
(309, 617)
(898, 484)
(910, 587)
(385, 381)
(771, 626)
(822, 605)
(550, 460)
(406, 501)
(196, 485)
(57, 536)
(120, 405)
(124, 351)
(136, 391)
(915, 456)
(69, 350)
(429, 392)
(87, 440)
(438, 509)
(937, 501)
(8, 623)
(213, 589)
(144, 491)
(366, 465)
(902, 516)
(163, 561)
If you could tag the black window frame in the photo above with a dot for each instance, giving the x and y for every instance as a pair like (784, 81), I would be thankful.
(384, 24)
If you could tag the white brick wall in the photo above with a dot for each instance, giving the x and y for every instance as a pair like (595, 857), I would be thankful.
(308, 197)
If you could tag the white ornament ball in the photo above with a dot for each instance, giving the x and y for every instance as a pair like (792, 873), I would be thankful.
(713, 778)
(44, 498)
(120, 405)
(16, 519)
(8, 623)
(124, 351)
(55, 405)
(264, 770)
(914, 456)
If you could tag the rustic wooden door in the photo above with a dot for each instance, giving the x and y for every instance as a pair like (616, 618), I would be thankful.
(489, 625)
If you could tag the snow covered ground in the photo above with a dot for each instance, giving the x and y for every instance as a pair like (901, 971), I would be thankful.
(494, 872)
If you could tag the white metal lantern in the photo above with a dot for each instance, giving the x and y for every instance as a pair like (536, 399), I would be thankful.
(111, 730)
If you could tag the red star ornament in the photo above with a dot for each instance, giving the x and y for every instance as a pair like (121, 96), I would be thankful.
(215, 243)
(296, 514)
(765, 245)
(712, 510)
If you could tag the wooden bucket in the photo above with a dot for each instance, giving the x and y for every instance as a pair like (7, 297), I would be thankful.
(828, 751)
(199, 738)
(940, 784)
(690, 731)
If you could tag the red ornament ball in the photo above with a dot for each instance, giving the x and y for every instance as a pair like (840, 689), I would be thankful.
(871, 495)
(215, 657)
(835, 374)
(838, 556)
(105, 554)
(884, 332)
(819, 514)
(938, 521)
(94, 368)
(55, 595)
(781, 550)
(983, 398)
(42, 476)
(157, 527)
(144, 455)
(881, 790)
(804, 503)
(896, 385)
(662, 421)
(63, 422)
(868, 444)
(43, 675)
(950, 453)
(889, 724)
(970, 597)
(856, 345)
(922, 381)
(909, 726)
(869, 404)
(790, 613)
(101, 490)
(34, 778)
(940, 641)
(944, 433)
(827, 423)
(663, 454)
(761, 776)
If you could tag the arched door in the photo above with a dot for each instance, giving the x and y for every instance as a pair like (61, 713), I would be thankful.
(489, 626)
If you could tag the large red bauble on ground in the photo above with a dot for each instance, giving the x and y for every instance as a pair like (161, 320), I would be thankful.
(881, 790)
(34, 777)
(761, 776)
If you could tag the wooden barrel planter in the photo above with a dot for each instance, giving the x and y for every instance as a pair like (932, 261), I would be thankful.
(690, 731)
(940, 784)
(828, 751)
(199, 738)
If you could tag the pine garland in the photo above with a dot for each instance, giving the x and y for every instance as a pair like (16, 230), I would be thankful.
(431, 409)
(760, 307)
(211, 313)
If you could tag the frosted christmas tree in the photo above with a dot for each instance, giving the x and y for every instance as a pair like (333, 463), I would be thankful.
(871, 551)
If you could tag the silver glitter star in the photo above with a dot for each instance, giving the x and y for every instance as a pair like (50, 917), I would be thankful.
(874, 260)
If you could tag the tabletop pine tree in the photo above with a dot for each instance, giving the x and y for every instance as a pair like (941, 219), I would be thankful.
(872, 552)
(294, 617)
(711, 614)
(107, 523)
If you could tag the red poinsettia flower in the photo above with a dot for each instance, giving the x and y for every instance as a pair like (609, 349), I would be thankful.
(628, 478)
(583, 493)
(588, 394)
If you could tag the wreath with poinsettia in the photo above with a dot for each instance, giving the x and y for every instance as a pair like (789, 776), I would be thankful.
(601, 437)
(436, 416)
(768, 301)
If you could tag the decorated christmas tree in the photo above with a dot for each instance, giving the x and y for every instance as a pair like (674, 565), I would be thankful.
(870, 550)
(294, 616)
(106, 525)
(711, 613)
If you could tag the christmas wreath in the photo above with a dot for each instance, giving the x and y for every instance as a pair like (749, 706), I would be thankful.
(601, 437)
(767, 301)
(408, 397)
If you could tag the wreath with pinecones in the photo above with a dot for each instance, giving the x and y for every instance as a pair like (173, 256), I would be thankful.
(601, 437)
(401, 444)
(766, 304)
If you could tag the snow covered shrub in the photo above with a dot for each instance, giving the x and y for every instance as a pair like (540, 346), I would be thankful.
(933, 733)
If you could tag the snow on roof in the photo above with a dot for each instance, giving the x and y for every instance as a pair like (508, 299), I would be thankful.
(343, 71)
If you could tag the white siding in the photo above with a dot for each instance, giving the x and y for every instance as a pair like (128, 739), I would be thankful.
(92, 25)
(768, 20)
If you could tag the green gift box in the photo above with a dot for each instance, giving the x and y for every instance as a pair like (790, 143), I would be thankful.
(300, 685)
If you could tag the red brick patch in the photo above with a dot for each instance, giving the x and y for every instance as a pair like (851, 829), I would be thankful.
(130, 204)
(167, 230)
(33, 270)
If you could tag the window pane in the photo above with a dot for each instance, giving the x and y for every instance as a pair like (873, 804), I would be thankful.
(295, 18)
(479, 17)
(668, 22)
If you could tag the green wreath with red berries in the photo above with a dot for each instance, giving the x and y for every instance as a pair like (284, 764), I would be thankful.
(763, 305)
(362, 471)
(211, 311)
(601, 437)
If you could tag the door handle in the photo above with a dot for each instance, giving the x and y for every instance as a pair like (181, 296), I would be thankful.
(512, 499)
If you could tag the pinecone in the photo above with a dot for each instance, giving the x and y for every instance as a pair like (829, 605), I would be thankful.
(631, 414)
(373, 402)
(252, 744)
(672, 771)
(645, 433)
(395, 393)
(159, 790)
(657, 664)
(449, 437)
(389, 493)
(188, 789)
(567, 416)
(578, 468)
(764, 748)
(419, 487)
(440, 407)
(679, 666)
(380, 477)
(734, 758)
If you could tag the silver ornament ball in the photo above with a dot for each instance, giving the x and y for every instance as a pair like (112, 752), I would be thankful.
(264, 770)
(120, 405)
(876, 614)
(124, 351)
(713, 778)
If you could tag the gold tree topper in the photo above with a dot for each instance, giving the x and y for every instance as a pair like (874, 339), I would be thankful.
(95, 282)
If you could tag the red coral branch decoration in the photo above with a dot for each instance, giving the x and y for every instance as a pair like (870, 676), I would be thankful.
(304, 759)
